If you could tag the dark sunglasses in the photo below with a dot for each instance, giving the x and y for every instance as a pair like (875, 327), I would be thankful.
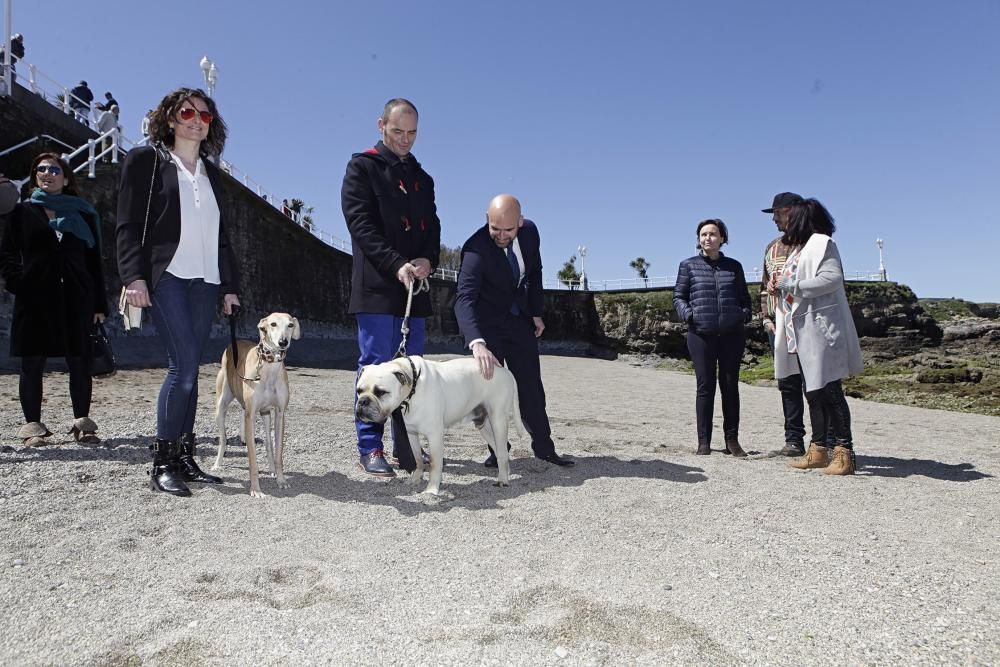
(48, 169)
(187, 113)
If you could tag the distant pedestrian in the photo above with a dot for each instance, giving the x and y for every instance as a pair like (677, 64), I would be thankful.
(144, 128)
(80, 99)
(107, 121)
(16, 52)
(285, 208)
(815, 335)
(712, 297)
(109, 101)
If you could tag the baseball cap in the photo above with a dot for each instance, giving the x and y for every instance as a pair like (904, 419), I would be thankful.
(781, 200)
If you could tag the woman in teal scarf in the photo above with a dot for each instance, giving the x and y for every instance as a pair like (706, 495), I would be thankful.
(50, 259)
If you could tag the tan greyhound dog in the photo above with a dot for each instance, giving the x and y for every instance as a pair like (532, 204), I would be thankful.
(260, 384)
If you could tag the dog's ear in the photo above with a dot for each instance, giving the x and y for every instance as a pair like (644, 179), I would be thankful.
(403, 378)
(296, 331)
(262, 326)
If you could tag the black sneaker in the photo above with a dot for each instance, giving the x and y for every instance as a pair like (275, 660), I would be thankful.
(791, 449)
(374, 464)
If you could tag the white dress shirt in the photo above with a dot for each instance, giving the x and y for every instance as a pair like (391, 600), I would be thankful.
(197, 253)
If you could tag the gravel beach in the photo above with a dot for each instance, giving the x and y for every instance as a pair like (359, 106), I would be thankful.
(643, 553)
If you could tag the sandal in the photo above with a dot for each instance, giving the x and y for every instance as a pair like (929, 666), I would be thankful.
(33, 434)
(83, 431)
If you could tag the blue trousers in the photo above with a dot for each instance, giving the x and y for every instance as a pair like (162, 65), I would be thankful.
(183, 311)
(379, 337)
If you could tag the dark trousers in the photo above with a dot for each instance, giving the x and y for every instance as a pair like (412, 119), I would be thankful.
(717, 357)
(517, 348)
(30, 386)
(792, 405)
(830, 416)
(379, 336)
(183, 311)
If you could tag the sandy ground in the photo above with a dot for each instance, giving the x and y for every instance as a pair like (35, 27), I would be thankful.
(642, 554)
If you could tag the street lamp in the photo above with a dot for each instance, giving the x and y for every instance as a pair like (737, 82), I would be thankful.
(582, 250)
(211, 74)
(881, 264)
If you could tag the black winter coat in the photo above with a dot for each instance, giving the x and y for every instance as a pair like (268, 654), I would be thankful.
(712, 297)
(57, 285)
(389, 208)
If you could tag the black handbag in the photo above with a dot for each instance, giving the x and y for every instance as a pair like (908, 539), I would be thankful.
(103, 357)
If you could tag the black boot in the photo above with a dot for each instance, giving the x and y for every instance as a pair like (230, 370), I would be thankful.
(733, 447)
(188, 466)
(165, 475)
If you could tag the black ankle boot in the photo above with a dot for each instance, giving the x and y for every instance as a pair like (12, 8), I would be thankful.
(733, 447)
(165, 475)
(188, 466)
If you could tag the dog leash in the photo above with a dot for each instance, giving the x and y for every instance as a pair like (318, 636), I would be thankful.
(423, 285)
(233, 314)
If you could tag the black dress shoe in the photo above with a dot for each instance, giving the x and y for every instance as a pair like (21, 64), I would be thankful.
(555, 459)
(791, 450)
(704, 448)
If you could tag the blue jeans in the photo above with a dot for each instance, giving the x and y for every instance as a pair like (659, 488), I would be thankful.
(183, 311)
(378, 339)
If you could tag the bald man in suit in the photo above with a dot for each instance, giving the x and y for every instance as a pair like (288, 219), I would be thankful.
(499, 311)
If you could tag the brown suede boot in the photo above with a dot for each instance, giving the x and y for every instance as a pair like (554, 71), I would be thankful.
(842, 463)
(816, 457)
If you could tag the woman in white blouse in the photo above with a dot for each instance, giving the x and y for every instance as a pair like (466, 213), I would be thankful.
(174, 258)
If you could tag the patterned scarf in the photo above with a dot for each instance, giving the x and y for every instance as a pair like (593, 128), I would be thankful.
(790, 269)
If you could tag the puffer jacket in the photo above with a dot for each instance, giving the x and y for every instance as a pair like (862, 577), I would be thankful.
(712, 297)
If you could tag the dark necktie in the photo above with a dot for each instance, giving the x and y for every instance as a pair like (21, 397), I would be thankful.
(515, 268)
(515, 272)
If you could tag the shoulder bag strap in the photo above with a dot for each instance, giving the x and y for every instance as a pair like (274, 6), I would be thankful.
(149, 198)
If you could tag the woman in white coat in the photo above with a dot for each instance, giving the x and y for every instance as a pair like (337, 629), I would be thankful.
(815, 336)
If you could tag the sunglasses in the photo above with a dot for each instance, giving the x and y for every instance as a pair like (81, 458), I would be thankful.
(48, 169)
(187, 113)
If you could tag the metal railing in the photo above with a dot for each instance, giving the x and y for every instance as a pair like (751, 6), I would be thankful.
(669, 281)
(61, 98)
(111, 136)
(28, 142)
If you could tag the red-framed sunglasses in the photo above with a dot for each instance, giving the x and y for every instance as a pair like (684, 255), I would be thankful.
(187, 113)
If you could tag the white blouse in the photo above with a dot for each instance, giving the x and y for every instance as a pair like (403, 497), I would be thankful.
(197, 253)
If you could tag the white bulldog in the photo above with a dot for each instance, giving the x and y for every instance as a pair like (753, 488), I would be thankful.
(437, 395)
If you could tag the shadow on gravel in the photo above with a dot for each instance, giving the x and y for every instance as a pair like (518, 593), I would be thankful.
(529, 476)
(889, 466)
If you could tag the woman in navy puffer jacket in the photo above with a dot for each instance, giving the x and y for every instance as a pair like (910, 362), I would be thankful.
(711, 296)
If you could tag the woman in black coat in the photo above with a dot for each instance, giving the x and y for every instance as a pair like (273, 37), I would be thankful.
(50, 258)
(174, 258)
(712, 297)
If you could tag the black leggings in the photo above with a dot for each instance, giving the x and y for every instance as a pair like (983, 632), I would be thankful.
(829, 416)
(717, 357)
(30, 386)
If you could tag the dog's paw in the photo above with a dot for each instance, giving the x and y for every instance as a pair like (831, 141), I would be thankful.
(501, 484)
(257, 493)
(414, 479)
(284, 484)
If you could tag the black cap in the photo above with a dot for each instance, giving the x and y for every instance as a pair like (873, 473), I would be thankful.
(781, 200)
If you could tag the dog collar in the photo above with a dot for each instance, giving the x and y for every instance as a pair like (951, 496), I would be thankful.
(405, 405)
(270, 356)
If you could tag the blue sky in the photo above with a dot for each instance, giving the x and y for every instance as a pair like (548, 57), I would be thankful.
(619, 125)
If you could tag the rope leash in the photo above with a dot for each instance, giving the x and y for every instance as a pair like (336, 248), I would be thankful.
(423, 285)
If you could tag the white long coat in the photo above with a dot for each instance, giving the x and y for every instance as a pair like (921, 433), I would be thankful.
(828, 347)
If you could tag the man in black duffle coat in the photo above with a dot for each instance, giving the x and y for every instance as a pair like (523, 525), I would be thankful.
(499, 309)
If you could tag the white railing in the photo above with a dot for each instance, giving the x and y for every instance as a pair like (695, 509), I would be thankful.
(669, 281)
(59, 99)
(28, 142)
(111, 136)
(445, 274)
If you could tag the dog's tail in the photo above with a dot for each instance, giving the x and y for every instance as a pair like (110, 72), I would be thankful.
(516, 412)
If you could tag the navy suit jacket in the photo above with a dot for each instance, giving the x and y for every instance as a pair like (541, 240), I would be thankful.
(486, 288)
